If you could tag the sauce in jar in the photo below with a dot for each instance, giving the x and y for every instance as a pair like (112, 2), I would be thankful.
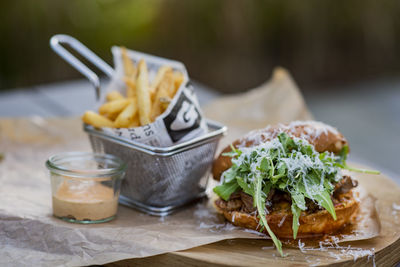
(85, 186)
(84, 201)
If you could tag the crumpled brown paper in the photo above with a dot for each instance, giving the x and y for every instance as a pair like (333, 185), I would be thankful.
(276, 101)
(29, 235)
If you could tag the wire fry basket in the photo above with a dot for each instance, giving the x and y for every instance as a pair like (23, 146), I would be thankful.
(159, 180)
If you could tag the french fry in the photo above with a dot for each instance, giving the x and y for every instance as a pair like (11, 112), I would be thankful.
(130, 72)
(130, 86)
(145, 101)
(127, 116)
(163, 91)
(165, 101)
(113, 95)
(96, 120)
(113, 108)
(129, 67)
(143, 94)
(178, 79)
(159, 76)
(135, 122)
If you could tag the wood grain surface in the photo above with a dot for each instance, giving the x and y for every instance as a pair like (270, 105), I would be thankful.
(383, 250)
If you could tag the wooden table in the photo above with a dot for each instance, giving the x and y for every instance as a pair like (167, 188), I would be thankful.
(248, 253)
(383, 250)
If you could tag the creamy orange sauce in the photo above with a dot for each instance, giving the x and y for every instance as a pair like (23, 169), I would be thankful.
(84, 200)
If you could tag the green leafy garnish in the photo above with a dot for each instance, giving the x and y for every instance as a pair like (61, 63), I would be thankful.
(260, 203)
(295, 224)
(342, 161)
(288, 164)
(324, 200)
(226, 190)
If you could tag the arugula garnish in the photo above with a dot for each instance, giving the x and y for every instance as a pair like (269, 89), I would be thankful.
(226, 190)
(260, 203)
(342, 161)
(289, 164)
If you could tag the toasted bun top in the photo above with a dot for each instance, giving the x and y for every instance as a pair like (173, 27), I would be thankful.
(322, 136)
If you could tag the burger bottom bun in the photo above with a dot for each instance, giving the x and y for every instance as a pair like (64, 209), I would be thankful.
(311, 225)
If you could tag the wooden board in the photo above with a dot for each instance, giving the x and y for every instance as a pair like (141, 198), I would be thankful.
(250, 253)
(384, 250)
(241, 252)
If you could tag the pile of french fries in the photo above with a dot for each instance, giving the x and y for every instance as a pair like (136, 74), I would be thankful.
(143, 102)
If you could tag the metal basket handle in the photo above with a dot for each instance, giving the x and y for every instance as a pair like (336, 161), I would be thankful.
(55, 43)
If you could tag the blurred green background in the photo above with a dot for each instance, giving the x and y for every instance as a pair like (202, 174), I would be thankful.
(230, 45)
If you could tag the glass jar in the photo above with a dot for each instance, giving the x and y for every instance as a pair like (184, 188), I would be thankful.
(85, 186)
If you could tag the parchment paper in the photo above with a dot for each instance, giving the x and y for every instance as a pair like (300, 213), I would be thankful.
(30, 236)
(276, 101)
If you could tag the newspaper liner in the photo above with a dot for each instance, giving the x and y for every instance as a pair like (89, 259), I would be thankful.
(183, 120)
(30, 236)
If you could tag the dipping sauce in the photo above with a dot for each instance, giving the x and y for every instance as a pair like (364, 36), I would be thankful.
(85, 186)
(84, 201)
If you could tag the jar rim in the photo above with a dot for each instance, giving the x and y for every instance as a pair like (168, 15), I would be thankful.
(53, 164)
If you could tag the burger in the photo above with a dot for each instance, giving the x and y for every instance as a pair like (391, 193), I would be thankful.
(286, 181)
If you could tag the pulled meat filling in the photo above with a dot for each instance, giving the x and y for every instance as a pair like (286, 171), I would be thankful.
(279, 200)
(247, 201)
(344, 186)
